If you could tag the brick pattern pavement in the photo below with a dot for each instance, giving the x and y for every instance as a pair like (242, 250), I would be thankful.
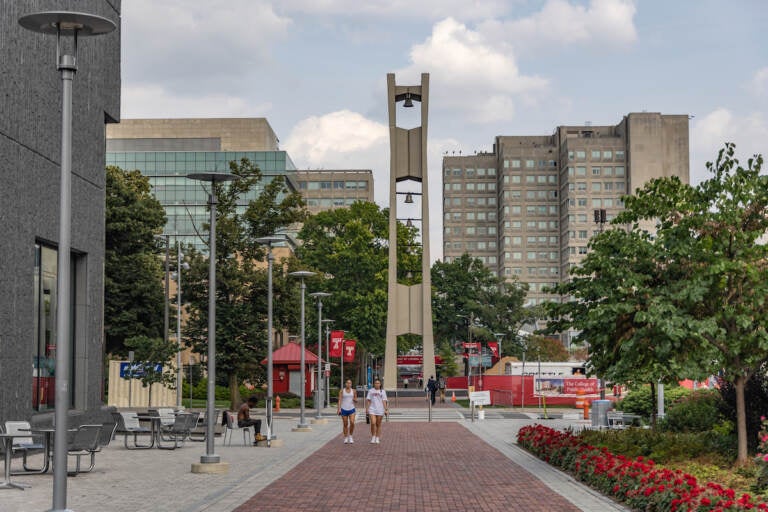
(417, 467)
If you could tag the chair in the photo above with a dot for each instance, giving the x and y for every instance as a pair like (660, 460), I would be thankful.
(128, 423)
(166, 414)
(85, 441)
(179, 431)
(231, 427)
(616, 419)
(24, 445)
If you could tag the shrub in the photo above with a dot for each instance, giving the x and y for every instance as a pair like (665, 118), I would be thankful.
(697, 412)
(639, 400)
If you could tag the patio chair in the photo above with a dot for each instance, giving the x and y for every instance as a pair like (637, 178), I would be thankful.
(84, 442)
(166, 414)
(24, 445)
(127, 424)
(179, 431)
(199, 431)
(231, 427)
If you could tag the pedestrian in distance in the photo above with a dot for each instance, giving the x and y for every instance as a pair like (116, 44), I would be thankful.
(377, 405)
(346, 409)
(441, 387)
(431, 388)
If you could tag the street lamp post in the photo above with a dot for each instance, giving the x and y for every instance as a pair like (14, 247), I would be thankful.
(179, 267)
(318, 396)
(327, 322)
(268, 241)
(166, 313)
(75, 24)
(302, 274)
(210, 457)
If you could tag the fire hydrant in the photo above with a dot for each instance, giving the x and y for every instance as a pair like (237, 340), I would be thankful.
(277, 403)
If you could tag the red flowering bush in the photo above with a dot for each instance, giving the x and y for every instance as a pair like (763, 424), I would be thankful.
(638, 482)
(762, 454)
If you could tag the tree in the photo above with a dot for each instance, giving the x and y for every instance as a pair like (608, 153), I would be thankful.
(685, 297)
(349, 246)
(547, 348)
(468, 297)
(133, 294)
(151, 356)
(240, 284)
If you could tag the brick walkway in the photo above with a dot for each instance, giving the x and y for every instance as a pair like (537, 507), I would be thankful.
(417, 466)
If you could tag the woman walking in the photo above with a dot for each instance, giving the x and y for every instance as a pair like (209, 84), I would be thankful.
(377, 406)
(346, 409)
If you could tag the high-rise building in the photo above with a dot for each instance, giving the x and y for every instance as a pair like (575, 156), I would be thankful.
(527, 209)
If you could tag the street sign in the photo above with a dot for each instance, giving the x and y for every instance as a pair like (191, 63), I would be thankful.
(480, 397)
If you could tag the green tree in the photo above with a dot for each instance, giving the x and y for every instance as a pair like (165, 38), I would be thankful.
(240, 283)
(149, 353)
(449, 368)
(683, 293)
(349, 246)
(548, 349)
(468, 297)
(133, 291)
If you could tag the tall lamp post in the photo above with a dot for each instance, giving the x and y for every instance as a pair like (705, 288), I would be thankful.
(318, 393)
(268, 241)
(302, 426)
(327, 322)
(166, 238)
(600, 220)
(75, 24)
(210, 458)
(179, 267)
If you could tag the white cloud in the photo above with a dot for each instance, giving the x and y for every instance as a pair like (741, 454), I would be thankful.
(478, 79)
(560, 23)
(153, 101)
(187, 44)
(709, 134)
(759, 83)
(425, 9)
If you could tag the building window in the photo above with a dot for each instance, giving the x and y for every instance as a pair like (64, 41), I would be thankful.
(581, 155)
(620, 156)
(595, 154)
(515, 164)
(619, 171)
(595, 171)
(607, 155)
(530, 164)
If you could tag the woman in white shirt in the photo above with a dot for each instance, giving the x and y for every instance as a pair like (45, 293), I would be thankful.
(346, 409)
(377, 406)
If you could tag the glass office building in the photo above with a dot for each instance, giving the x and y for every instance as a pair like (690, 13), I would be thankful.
(185, 200)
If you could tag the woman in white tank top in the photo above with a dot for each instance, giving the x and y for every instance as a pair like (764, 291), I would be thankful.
(346, 409)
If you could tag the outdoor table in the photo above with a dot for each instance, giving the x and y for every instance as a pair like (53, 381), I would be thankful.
(8, 447)
(48, 437)
(154, 426)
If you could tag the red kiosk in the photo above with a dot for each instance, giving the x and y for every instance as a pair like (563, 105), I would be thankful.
(286, 372)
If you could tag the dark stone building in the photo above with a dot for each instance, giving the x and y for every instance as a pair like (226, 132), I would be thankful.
(30, 154)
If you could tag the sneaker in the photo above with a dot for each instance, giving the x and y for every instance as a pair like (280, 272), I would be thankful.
(373, 440)
(346, 440)
(378, 440)
(351, 441)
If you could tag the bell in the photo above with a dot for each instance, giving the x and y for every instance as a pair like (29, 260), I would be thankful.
(408, 103)
(408, 198)
(409, 223)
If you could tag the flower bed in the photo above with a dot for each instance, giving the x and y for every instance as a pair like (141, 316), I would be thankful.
(639, 483)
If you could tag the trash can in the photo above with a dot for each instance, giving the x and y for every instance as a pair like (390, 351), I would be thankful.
(599, 412)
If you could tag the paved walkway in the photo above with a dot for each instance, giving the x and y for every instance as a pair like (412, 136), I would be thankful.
(446, 465)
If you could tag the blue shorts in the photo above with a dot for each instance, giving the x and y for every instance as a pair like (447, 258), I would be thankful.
(347, 412)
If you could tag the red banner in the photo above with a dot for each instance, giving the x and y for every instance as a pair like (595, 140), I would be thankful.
(349, 350)
(335, 348)
(473, 346)
(493, 346)
(415, 360)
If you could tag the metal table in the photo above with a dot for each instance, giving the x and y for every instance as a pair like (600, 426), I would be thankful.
(8, 447)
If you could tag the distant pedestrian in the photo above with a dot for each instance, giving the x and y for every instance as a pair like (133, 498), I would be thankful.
(441, 387)
(377, 405)
(405, 383)
(346, 409)
(432, 388)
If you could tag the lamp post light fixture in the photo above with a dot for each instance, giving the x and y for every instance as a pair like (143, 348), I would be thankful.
(318, 392)
(328, 322)
(499, 336)
(166, 238)
(210, 457)
(268, 241)
(74, 24)
(180, 265)
(302, 426)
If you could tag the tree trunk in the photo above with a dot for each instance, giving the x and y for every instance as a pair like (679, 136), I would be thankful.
(654, 405)
(234, 392)
(741, 420)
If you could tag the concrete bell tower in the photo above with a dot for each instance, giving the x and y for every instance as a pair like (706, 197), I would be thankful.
(409, 308)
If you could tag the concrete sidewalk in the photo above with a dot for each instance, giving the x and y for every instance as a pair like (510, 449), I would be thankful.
(455, 465)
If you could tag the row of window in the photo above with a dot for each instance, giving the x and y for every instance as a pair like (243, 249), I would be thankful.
(471, 187)
(470, 230)
(531, 240)
(597, 202)
(487, 260)
(531, 225)
(481, 216)
(326, 202)
(470, 201)
(529, 164)
(471, 172)
(597, 186)
(531, 256)
(539, 210)
(333, 185)
(194, 156)
(480, 245)
(597, 171)
(581, 234)
(532, 271)
(597, 154)
(540, 179)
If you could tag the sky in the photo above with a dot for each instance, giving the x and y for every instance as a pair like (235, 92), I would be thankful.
(316, 69)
